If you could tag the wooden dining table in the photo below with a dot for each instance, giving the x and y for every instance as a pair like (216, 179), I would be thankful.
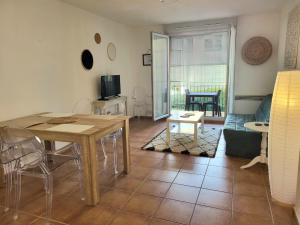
(98, 127)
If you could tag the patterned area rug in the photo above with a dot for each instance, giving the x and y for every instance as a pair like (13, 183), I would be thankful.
(183, 143)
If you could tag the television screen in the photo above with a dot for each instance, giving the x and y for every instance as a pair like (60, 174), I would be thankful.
(110, 86)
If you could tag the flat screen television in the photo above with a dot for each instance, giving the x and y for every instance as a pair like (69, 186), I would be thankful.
(109, 86)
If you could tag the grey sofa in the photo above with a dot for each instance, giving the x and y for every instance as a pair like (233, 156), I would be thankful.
(240, 141)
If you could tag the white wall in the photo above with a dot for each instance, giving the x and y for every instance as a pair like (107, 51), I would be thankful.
(142, 45)
(40, 48)
(255, 80)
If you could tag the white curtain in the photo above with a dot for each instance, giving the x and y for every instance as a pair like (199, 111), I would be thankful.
(230, 97)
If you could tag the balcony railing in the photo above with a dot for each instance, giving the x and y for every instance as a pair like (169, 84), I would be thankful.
(177, 93)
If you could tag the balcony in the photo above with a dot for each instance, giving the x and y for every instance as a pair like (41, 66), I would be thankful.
(177, 94)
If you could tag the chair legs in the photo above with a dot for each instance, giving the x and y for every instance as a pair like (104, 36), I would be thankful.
(103, 148)
(216, 110)
(48, 185)
(76, 151)
(115, 152)
(8, 175)
(18, 186)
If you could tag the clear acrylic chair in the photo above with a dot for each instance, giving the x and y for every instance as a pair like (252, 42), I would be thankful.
(84, 106)
(7, 162)
(24, 154)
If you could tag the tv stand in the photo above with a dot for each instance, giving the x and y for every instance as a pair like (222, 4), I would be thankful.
(109, 105)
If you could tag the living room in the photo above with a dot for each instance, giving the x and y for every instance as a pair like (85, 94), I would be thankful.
(191, 77)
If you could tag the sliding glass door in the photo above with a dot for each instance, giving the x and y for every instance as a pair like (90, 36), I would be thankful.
(160, 76)
(199, 63)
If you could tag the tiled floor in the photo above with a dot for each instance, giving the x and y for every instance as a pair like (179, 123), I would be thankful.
(162, 189)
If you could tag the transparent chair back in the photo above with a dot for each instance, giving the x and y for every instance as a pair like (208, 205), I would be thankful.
(83, 106)
(22, 153)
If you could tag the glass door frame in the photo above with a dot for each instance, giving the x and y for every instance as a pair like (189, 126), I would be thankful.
(226, 93)
(168, 77)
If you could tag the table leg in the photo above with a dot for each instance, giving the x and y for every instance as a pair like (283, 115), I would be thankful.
(202, 124)
(195, 134)
(89, 164)
(168, 133)
(262, 158)
(126, 147)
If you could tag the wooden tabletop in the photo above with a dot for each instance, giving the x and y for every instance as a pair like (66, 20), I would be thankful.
(38, 122)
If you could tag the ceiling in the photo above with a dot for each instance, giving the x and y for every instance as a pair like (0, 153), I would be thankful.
(150, 12)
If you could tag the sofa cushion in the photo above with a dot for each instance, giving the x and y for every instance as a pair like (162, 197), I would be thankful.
(237, 121)
(263, 112)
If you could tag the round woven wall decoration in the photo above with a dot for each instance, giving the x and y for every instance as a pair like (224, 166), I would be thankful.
(257, 50)
(97, 38)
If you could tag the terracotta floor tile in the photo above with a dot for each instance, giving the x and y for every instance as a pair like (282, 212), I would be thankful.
(158, 155)
(210, 216)
(284, 214)
(143, 204)
(189, 179)
(284, 222)
(7, 218)
(215, 199)
(228, 162)
(170, 165)
(217, 184)
(251, 175)
(126, 218)
(248, 219)
(180, 212)
(40, 221)
(245, 188)
(199, 160)
(194, 168)
(218, 171)
(137, 144)
(183, 193)
(162, 222)
(163, 175)
(147, 162)
(156, 188)
(127, 183)
(221, 161)
(175, 157)
(93, 216)
(106, 179)
(220, 154)
(139, 172)
(114, 198)
(251, 205)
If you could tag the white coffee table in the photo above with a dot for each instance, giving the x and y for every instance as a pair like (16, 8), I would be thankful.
(195, 119)
(262, 158)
